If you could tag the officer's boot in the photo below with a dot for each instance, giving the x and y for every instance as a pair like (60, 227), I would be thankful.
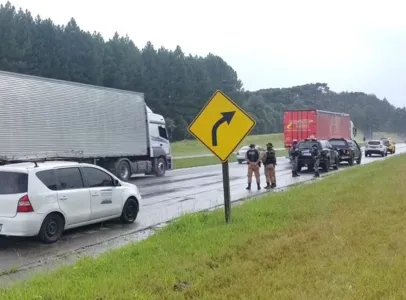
(273, 185)
(294, 174)
(258, 186)
(249, 186)
(268, 186)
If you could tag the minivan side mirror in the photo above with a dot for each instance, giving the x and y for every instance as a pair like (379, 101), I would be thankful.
(116, 182)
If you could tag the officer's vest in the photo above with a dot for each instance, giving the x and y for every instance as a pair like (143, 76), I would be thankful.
(253, 155)
(270, 157)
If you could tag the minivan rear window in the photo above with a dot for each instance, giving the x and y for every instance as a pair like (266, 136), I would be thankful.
(374, 143)
(13, 183)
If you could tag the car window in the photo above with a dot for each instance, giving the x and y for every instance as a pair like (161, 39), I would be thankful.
(307, 145)
(244, 148)
(162, 132)
(374, 143)
(13, 183)
(47, 177)
(69, 178)
(97, 178)
(385, 142)
(338, 142)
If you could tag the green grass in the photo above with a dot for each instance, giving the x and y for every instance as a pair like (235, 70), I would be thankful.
(341, 238)
(194, 147)
(208, 160)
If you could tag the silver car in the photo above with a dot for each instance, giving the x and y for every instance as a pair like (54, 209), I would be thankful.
(243, 150)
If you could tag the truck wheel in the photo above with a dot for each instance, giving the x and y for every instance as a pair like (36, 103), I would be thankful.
(130, 211)
(160, 168)
(123, 170)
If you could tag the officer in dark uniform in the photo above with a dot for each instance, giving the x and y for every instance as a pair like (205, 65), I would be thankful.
(294, 154)
(269, 166)
(253, 159)
(316, 159)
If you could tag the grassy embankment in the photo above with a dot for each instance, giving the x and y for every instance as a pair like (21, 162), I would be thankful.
(341, 238)
(193, 147)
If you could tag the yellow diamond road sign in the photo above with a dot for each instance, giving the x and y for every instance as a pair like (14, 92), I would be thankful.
(221, 125)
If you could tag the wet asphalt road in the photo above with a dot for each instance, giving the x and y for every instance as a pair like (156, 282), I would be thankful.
(179, 192)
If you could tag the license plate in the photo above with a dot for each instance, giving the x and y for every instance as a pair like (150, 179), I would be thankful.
(374, 147)
(307, 154)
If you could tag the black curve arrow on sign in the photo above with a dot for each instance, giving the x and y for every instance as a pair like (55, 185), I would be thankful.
(227, 117)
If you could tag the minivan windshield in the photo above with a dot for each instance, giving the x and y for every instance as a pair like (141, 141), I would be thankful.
(13, 183)
(374, 143)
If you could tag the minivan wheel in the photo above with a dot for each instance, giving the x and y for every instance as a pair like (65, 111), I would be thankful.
(130, 211)
(52, 228)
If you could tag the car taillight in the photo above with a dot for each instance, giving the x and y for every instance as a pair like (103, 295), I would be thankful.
(24, 205)
(348, 150)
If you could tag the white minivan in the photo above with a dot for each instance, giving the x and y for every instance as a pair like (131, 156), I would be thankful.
(46, 198)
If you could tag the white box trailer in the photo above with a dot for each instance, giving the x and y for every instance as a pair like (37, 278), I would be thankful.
(43, 118)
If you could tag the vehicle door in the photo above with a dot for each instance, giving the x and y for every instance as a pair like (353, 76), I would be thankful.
(73, 196)
(106, 198)
(356, 148)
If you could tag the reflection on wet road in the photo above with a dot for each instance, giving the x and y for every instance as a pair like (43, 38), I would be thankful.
(164, 199)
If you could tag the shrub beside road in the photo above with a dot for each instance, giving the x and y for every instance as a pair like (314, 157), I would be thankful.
(342, 237)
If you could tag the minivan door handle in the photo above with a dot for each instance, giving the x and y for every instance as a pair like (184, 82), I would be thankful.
(95, 194)
(63, 198)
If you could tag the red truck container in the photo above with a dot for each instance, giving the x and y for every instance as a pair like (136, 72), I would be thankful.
(323, 125)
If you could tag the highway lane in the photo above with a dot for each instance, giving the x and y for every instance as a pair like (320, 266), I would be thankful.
(166, 198)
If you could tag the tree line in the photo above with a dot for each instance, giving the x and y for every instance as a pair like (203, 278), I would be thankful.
(175, 84)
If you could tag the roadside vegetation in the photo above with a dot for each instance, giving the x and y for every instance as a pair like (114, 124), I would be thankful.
(340, 238)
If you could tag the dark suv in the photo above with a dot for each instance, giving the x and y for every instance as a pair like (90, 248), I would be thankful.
(329, 156)
(348, 150)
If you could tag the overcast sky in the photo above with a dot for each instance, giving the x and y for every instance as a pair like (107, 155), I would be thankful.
(352, 45)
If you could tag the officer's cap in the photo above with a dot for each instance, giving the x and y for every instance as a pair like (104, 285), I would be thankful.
(269, 145)
(252, 146)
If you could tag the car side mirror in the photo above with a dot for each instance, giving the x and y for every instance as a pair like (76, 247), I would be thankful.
(116, 182)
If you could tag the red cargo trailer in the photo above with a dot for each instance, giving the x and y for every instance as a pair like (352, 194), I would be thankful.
(323, 125)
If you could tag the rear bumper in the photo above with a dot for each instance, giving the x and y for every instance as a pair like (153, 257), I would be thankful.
(374, 151)
(27, 224)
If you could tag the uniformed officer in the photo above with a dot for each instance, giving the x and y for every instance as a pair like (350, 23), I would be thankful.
(269, 160)
(316, 158)
(253, 159)
(294, 154)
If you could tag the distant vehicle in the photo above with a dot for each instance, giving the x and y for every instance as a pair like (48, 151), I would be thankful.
(46, 198)
(114, 129)
(375, 147)
(389, 145)
(329, 156)
(319, 124)
(243, 150)
(348, 150)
